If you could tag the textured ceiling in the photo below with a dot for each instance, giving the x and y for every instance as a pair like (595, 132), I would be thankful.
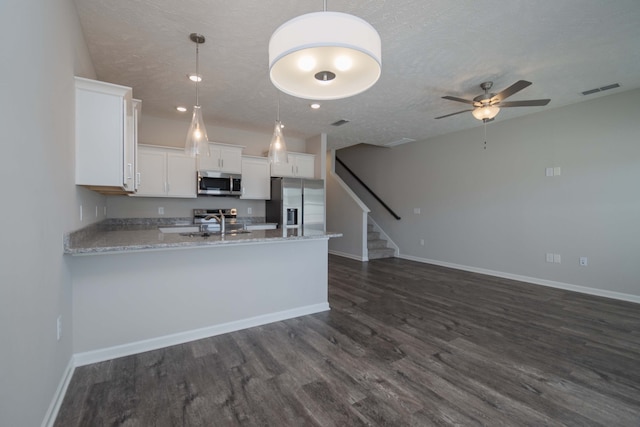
(430, 48)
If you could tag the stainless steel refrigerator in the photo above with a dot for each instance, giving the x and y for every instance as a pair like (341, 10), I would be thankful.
(296, 202)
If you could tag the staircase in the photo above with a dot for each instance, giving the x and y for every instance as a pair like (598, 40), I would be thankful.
(376, 246)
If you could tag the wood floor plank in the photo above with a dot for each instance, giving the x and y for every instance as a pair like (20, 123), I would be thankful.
(405, 344)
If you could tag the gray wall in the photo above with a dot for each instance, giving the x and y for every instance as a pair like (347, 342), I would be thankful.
(494, 209)
(42, 49)
(129, 299)
(347, 215)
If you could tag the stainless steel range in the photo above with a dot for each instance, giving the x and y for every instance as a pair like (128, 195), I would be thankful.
(217, 220)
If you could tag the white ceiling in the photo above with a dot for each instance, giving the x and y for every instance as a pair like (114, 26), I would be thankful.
(430, 48)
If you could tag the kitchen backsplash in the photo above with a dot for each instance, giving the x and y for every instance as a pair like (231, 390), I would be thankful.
(151, 207)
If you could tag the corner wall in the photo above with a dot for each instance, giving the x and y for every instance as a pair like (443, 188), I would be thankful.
(43, 47)
(495, 209)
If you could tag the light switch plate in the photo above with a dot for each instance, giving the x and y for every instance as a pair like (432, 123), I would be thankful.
(548, 172)
(556, 171)
(416, 211)
(549, 257)
(556, 258)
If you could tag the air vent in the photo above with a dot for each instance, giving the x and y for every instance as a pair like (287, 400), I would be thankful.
(340, 122)
(398, 142)
(600, 89)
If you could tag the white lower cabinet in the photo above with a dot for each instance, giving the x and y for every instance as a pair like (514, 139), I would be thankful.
(165, 172)
(256, 180)
(300, 165)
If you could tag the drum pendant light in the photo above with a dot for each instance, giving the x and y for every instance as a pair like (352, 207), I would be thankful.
(324, 56)
(197, 142)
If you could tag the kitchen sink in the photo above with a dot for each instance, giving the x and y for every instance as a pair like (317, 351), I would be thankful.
(180, 229)
(199, 233)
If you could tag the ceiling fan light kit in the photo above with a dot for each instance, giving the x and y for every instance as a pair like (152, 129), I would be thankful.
(324, 56)
(488, 112)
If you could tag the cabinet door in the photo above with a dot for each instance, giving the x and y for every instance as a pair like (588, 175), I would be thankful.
(129, 143)
(137, 105)
(282, 169)
(211, 162)
(256, 182)
(181, 175)
(151, 173)
(231, 159)
(304, 166)
(100, 123)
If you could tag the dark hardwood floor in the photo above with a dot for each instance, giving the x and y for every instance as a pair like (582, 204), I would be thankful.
(404, 344)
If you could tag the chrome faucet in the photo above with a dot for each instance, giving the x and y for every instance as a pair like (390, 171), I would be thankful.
(219, 218)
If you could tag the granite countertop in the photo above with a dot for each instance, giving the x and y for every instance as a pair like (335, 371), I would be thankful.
(134, 235)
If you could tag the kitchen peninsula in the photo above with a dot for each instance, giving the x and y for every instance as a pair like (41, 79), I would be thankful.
(136, 288)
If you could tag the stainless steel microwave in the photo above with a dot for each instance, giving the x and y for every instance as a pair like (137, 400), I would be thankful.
(213, 183)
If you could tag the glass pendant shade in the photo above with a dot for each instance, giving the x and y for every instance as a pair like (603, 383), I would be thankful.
(325, 55)
(197, 143)
(278, 148)
(487, 112)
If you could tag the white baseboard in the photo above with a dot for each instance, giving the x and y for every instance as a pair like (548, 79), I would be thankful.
(54, 407)
(350, 256)
(533, 280)
(109, 353)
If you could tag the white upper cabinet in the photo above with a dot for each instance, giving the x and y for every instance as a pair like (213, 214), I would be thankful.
(223, 158)
(106, 136)
(165, 172)
(256, 181)
(300, 165)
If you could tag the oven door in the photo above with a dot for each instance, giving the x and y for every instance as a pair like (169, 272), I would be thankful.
(214, 183)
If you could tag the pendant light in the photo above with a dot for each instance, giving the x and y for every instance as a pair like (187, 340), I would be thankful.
(197, 142)
(278, 147)
(325, 55)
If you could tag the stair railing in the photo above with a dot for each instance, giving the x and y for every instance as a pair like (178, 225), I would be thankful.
(366, 187)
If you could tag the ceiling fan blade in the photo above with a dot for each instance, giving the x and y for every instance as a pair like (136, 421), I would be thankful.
(514, 88)
(453, 114)
(529, 103)
(453, 98)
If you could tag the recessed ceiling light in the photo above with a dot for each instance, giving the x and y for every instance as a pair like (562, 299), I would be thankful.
(194, 77)
(181, 108)
(315, 105)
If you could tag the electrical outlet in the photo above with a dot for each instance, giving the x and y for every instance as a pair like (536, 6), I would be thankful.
(556, 171)
(96, 211)
(80, 213)
(548, 172)
(549, 257)
(584, 261)
(160, 210)
(421, 242)
(59, 327)
(249, 211)
(556, 258)
(104, 210)
(416, 211)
